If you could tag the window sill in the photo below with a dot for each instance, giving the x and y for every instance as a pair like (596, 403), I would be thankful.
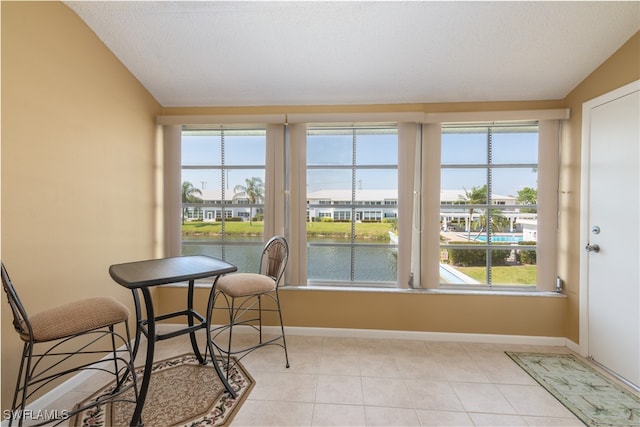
(372, 289)
(531, 293)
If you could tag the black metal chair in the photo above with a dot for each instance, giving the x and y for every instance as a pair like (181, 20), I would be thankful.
(246, 297)
(68, 339)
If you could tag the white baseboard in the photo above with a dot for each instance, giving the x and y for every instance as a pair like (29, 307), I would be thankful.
(405, 335)
(424, 336)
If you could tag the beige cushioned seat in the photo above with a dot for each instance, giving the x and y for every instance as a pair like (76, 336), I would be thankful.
(76, 317)
(243, 284)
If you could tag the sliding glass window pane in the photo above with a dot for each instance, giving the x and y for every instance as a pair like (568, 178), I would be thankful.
(223, 181)
(330, 147)
(508, 184)
(203, 179)
(456, 183)
(377, 179)
(488, 205)
(201, 148)
(352, 196)
(328, 263)
(461, 146)
(329, 179)
(245, 148)
(377, 147)
(375, 263)
(453, 274)
(515, 145)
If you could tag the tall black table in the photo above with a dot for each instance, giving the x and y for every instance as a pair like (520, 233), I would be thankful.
(139, 276)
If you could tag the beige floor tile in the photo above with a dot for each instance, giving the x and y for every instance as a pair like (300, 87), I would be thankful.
(270, 413)
(391, 347)
(338, 389)
(270, 358)
(340, 345)
(335, 363)
(384, 416)
(495, 420)
(303, 343)
(386, 392)
(476, 397)
(433, 395)
(337, 415)
(352, 382)
(462, 370)
(502, 370)
(420, 367)
(379, 365)
(443, 418)
(300, 362)
(447, 351)
(284, 387)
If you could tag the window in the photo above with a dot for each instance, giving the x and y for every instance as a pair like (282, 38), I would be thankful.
(489, 205)
(355, 169)
(223, 181)
(359, 203)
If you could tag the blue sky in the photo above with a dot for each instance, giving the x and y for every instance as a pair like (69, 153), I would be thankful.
(372, 149)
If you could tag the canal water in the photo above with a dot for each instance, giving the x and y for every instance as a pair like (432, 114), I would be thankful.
(328, 259)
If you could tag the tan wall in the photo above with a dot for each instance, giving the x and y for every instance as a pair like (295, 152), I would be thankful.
(78, 139)
(401, 311)
(621, 68)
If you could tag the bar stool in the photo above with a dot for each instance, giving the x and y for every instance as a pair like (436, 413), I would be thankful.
(63, 333)
(246, 297)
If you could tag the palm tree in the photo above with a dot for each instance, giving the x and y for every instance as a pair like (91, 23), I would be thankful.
(475, 196)
(190, 194)
(253, 191)
(497, 221)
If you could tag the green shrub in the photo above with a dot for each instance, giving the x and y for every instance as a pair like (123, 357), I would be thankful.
(527, 257)
(476, 257)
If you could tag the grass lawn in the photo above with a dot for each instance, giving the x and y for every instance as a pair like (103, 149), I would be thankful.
(507, 275)
(195, 228)
(366, 230)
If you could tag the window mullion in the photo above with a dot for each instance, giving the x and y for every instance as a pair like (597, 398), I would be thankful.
(487, 210)
(223, 216)
(353, 203)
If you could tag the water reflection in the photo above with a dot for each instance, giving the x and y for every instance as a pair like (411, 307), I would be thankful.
(326, 262)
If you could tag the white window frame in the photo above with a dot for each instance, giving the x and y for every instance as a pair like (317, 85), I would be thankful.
(418, 181)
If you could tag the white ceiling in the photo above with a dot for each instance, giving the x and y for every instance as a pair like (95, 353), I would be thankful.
(241, 53)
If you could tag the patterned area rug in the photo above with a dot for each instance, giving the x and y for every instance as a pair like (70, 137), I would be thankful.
(181, 393)
(591, 396)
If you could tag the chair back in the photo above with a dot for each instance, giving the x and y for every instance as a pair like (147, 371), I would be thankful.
(274, 258)
(20, 318)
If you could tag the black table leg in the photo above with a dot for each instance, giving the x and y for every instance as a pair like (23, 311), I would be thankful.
(192, 334)
(136, 342)
(136, 419)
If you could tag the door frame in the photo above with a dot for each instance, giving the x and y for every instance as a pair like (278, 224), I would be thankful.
(583, 347)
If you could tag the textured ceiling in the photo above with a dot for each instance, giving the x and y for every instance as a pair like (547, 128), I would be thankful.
(240, 53)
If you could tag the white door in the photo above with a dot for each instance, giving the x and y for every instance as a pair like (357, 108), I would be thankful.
(611, 233)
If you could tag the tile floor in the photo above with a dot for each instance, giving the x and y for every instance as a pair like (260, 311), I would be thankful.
(336, 381)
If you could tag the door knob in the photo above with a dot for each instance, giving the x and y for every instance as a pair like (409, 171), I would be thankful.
(593, 248)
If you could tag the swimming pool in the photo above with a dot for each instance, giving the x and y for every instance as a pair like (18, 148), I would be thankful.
(511, 238)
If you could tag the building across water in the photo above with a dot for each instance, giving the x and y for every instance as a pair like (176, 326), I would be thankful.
(370, 205)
